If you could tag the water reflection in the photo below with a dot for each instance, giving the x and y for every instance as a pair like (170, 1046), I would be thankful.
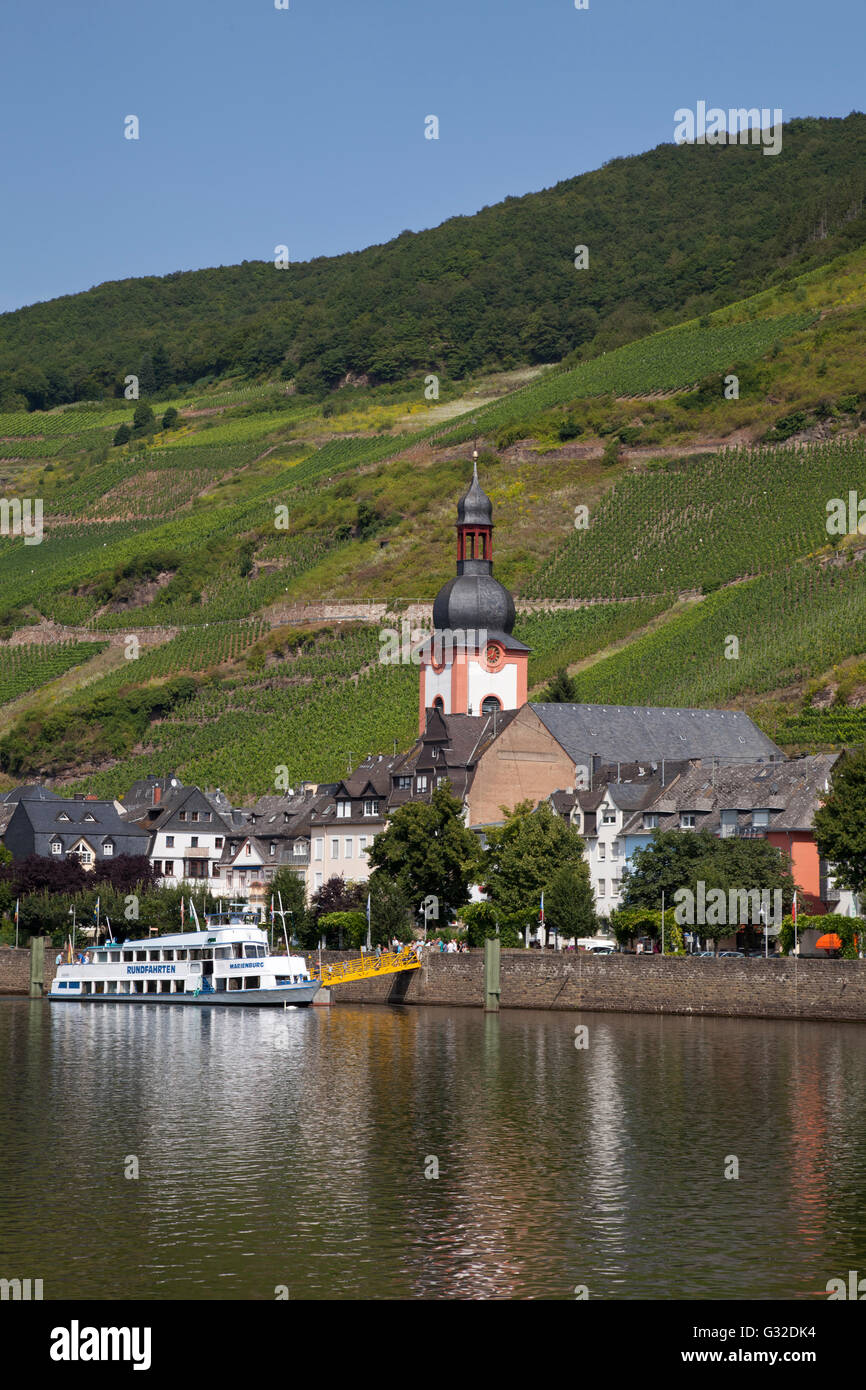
(291, 1148)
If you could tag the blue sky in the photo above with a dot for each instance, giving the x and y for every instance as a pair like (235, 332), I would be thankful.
(306, 126)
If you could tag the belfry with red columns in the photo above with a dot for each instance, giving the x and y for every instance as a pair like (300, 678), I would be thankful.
(473, 664)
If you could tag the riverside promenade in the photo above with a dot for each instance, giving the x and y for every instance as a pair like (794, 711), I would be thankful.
(782, 987)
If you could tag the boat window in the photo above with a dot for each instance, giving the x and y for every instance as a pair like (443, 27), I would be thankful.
(168, 955)
(153, 955)
(129, 955)
(251, 982)
(141, 955)
(181, 955)
(207, 953)
(195, 953)
(237, 950)
(114, 955)
(102, 956)
(152, 986)
(223, 952)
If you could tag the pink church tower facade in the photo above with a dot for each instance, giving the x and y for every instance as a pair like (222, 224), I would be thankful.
(473, 664)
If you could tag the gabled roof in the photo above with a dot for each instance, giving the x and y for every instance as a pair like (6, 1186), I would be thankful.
(29, 791)
(633, 732)
(790, 791)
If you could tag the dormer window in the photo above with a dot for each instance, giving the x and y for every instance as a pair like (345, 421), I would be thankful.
(608, 816)
(687, 820)
(344, 810)
(371, 808)
(181, 815)
(56, 846)
(760, 818)
(108, 847)
(299, 847)
(651, 820)
(273, 847)
(63, 816)
(91, 818)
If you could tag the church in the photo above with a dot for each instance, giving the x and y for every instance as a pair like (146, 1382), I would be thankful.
(478, 731)
(473, 664)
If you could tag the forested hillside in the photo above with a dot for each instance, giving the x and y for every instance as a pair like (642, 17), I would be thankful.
(671, 234)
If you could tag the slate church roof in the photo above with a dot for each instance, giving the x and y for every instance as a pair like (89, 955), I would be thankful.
(627, 732)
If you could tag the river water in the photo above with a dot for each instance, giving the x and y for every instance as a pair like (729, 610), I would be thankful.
(290, 1151)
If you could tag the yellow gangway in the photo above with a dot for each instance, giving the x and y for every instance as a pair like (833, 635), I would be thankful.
(344, 972)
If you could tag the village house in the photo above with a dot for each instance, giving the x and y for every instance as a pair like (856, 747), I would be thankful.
(80, 827)
(186, 828)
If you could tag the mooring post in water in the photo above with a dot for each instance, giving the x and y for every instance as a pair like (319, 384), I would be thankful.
(491, 975)
(37, 966)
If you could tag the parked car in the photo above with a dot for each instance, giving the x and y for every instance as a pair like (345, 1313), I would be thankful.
(726, 955)
(601, 950)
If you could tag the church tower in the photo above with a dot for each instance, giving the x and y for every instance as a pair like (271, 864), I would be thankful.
(472, 664)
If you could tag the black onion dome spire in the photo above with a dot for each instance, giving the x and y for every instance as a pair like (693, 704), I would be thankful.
(475, 507)
(474, 599)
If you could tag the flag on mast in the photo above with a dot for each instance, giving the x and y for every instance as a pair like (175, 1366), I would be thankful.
(794, 909)
(17, 901)
(369, 929)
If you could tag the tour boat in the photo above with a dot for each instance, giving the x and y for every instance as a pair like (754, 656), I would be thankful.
(228, 962)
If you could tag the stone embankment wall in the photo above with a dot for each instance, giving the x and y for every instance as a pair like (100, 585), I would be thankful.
(782, 988)
(15, 969)
(747, 988)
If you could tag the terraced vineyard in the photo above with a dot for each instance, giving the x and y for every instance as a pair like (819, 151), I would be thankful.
(560, 638)
(314, 715)
(25, 668)
(789, 625)
(676, 358)
(701, 522)
(815, 730)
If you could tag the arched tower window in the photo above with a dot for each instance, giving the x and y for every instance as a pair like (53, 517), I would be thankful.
(439, 704)
(491, 705)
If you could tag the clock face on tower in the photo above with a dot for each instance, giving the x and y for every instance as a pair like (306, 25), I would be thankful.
(493, 656)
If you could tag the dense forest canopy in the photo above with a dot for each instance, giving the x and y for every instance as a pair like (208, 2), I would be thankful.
(671, 233)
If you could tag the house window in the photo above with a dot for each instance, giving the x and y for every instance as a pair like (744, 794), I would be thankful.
(614, 850)
(63, 816)
(651, 820)
(91, 818)
(249, 848)
(602, 851)
(439, 704)
(730, 820)
(193, 815)
(404, 784)
(347, 847)
(760, 818)
(218, 844)
(108, 847)
(206, 815)
(601, 888)
(56, 846)
(362, 844)
(300, 848)
(320, 848)
(687, 820)
(614, 886)
(335, 849)
(371, 808)
(169, 842)
(608, 816)
(216, 870)
(491, 705)
(344, 810)
(193, 842)
(181, 815)
(168, 869)
(421, 783)
(440, 781)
